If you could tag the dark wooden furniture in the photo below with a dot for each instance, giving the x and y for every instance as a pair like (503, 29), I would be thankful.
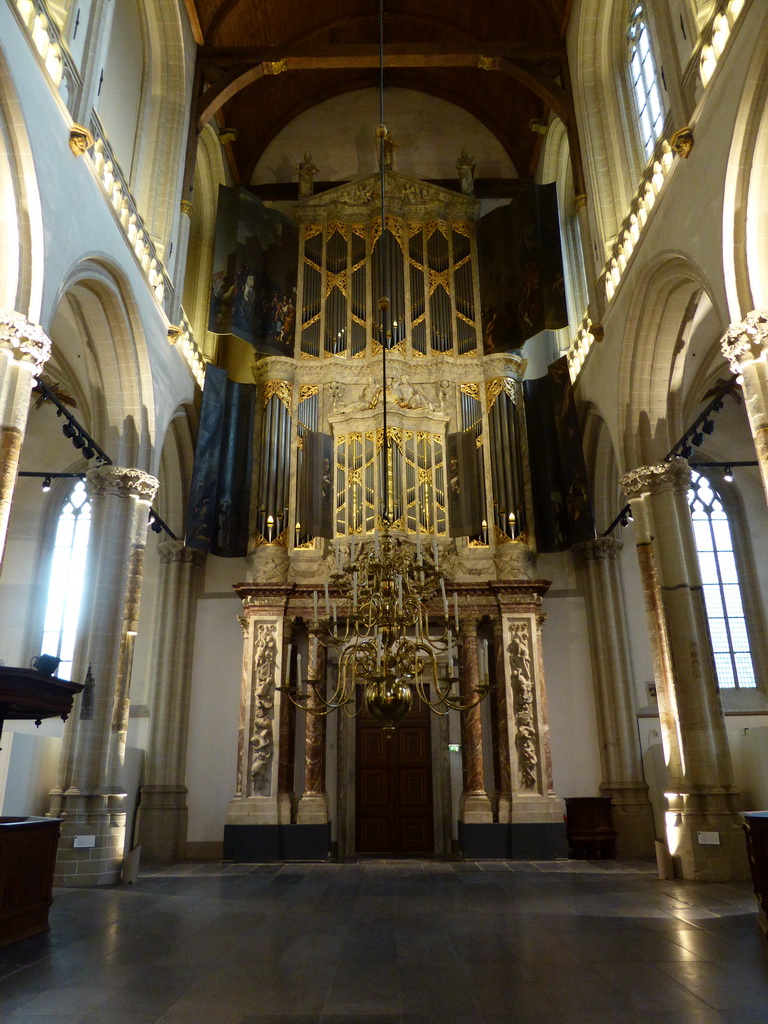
(27, 860)
(589, 825)
(756, 830)
(28, 845)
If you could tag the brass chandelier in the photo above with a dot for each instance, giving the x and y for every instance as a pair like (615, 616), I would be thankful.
(379, 619)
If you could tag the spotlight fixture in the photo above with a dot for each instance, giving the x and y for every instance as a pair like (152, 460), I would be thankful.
(68, 429)
(624, 521)
(728, 474)
(686, 451)
(88, 452)
(629, 517)
(46, 484)
(708, 426)
(697, 438)
(78, 441)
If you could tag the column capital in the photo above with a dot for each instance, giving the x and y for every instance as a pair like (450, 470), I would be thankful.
(125, 483)
(597, 550)
(747, 341)
(674, 475)
(27, 342)
(176, 551)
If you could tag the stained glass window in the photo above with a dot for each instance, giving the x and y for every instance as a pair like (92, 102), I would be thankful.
(65, 589)
(722, 593)
(645, 82)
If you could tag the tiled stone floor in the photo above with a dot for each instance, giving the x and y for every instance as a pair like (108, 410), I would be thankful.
(394, 942)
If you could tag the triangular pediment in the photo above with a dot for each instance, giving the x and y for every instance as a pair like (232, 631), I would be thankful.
(403, 196)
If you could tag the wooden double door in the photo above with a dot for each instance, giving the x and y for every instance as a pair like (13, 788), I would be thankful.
(393, 804)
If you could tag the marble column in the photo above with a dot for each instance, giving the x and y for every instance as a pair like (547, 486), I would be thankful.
(598, 563)
(474, 805)
(24, 350)
(701, 797)
(90, 794)
(501, 729)
(745, 346)
(161, 826)
(313, 806)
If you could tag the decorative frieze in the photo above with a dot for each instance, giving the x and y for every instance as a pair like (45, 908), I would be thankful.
(261, 739)
(27, 342)
(523, 703)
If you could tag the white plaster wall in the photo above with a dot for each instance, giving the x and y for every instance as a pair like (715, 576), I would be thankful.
(28, 765)
(568, 677)
(430, 134)
(213, 716)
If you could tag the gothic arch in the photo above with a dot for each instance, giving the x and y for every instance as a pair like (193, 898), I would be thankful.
(745, 205)
(174, 469)
(160, 129)
(602, 468)
(209, 174)
(21, 218)
(605, 114)
(106, 359)
(652, 378)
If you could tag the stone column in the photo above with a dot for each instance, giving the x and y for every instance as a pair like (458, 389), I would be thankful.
(24, 350)
(90, 795)
(599, 566)
(501, 729)
(701, 795)
(745, 346)
(313, 806)
(162, 816)
(474, 805)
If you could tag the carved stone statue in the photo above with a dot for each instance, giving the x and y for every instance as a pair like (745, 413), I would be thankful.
(337, 389)
(385, 152)
(465, 165)
(407, 395)
(306, 171)
(523, 704)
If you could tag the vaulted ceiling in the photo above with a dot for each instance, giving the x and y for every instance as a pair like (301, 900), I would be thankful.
(263, 62)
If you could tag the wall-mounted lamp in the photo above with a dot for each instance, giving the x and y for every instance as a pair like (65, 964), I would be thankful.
(46, 484)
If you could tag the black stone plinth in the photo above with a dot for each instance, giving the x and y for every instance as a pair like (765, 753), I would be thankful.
(265, 844)
(518, 841)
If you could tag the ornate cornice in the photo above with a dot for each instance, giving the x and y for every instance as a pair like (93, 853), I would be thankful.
(27, 342)
(647, 479)
(746, 341)
(176, 551)
(259, 597)
(126, 483)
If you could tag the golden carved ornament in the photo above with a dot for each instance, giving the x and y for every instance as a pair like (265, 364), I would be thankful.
(80, 139)
(185, 206)
(473, 390)
(580, 201)
(281, 388)
(307, 391)
(173, 334)
(488, 63)
(682, 141)
(310, 230)
(494, 387)
(275, 67)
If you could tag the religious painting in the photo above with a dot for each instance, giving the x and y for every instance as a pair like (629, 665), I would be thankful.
(217, 516)
(562, 510)
(522, 289)
(253, 284)
(465, 489)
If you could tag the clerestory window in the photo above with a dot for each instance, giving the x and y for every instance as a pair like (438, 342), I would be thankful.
(645, 81)
(65, 588)
(722, 593)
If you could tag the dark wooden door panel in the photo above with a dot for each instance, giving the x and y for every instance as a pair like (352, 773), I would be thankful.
(394, 785)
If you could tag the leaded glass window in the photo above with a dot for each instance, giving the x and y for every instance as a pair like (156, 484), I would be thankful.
(645, 82)
(722, 593)
(65, 589)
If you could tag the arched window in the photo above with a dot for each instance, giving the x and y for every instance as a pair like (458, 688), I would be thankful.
(645, 83)
(65, 589)
(722, 593)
